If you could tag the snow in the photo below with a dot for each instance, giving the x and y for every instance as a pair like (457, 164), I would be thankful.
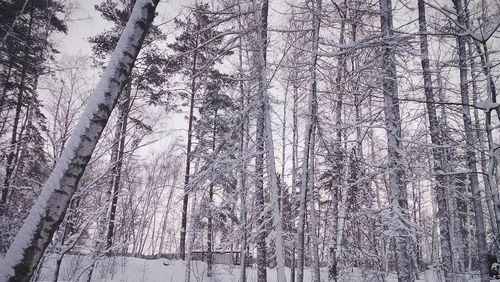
(130, 269)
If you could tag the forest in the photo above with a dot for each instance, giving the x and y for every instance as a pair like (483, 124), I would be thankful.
(249, 140)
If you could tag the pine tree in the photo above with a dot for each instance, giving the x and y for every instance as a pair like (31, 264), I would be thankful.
(197, 50)
(22, 258)
(26, 30)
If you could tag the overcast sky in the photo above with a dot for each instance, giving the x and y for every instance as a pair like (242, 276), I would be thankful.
(85, 21)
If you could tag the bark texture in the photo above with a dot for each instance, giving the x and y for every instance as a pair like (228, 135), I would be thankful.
(470, 155)
(437, 151)
(309, 132)
(22, 258)
(397, 189)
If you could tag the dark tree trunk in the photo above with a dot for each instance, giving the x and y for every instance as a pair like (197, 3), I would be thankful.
(437, 152)
(117, 160)
(185, 200)
(397, 188)
(13, 145)
(470, 155)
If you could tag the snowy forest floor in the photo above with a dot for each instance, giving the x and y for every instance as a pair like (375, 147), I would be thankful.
(130, 269)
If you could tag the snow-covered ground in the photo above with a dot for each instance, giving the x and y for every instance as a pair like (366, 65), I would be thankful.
(129, 269)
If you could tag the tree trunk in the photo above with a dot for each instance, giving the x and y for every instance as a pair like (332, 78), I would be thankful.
(243, 206)
(242, 176)
(265, 133)
(312, 214)
(182, 245)
(437, 152)
(13, 146)
(193, 227)
(492, 201)
(337, 162)
(3, 109)
(491, 185)
(47, 213)
(470, 155)
(398, 195)
(309, 132)
(295, 141)
(191, 235)
(261, 22)
(210, 238)
(117, 154)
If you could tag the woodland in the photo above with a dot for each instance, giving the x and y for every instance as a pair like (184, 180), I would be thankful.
(309, 139)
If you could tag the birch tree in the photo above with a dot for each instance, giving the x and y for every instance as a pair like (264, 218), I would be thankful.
(25, 252)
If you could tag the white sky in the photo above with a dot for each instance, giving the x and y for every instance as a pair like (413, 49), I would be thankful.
(85, 21)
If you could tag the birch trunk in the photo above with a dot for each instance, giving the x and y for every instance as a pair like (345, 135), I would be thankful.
(98, 240)
(337, 161)
(22, 258)
(437, 152)
(261, 22)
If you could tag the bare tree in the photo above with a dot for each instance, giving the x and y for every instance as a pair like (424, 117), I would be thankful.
(437, 151)
(397, 187)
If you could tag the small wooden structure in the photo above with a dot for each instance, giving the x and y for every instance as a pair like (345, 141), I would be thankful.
(218, 257)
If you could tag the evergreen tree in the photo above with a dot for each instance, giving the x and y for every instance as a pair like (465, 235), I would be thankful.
(26, 49)
(197, 50)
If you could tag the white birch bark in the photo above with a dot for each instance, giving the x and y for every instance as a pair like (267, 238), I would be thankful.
(25, 252)
(261, 23)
